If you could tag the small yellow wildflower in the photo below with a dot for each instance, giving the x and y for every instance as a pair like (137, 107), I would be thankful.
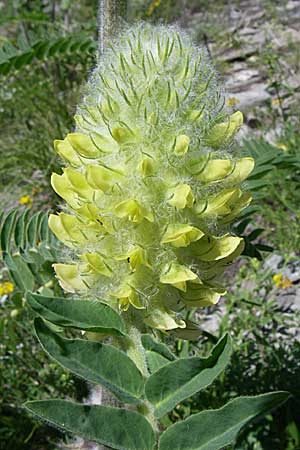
(281, 281)
(232, 101)
(25, 200)
(286, 283)
(277, 279)
(6, 288)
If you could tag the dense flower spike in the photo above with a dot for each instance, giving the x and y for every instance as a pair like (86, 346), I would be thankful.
(151, 181)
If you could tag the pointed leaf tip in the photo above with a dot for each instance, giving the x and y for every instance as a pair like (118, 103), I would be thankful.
(113, 427)
(215, 429)
(180, 379)
(95, 362)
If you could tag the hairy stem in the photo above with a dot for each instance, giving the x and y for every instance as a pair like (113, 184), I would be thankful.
(110, 17)
(136, 352)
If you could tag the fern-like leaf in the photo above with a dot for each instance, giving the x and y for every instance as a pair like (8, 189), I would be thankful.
(28, 248)
(14, 58)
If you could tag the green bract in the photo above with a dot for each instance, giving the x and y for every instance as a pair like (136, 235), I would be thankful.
(150, 180)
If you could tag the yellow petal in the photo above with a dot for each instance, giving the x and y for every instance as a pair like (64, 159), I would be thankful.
(217, 267)
(239, 204)
(147, 166)
(72, 187)
(215, 170)
(135, 257)
(201, 295)
(182, 144)
(181, 235)
(93, 145)
(133, 211)
(242, 169)
(63, 188)
(124, 303)
(89, 211)
(96, 263)
(216, 205)
(122, 135)
(72, 231)
(66, 151)
(65, 227)
(127, 296)
(102, 178)
(177, 276)
(182, 196)
(211, 248)
(196, 165)
(105, 144)
(138, 257)
(83, 145)
(162, 319)
(97, 223)
(222, 133)
(71, 278)
(78, 183)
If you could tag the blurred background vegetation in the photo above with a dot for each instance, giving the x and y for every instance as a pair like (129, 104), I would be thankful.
(47, 49)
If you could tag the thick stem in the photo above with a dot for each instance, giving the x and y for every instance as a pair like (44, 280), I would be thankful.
(111, 15)
(136, 352)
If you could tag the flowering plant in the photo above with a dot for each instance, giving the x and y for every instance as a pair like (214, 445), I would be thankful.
(151, 187)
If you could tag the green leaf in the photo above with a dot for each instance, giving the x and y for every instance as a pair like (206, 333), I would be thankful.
(12, 58)
(149, 343)
(44, 230)
(88, 315)
(19, 271)
(155, 361)
(182, 378)
(24, 253)
(254, 234)
(7, 229)
(215, 429)
(20, 237)
(191, 332)
(33, 228)
(94, 362)
(113, 427)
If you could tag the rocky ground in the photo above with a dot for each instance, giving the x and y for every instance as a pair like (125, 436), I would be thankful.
(243, 37)
(290, 296)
